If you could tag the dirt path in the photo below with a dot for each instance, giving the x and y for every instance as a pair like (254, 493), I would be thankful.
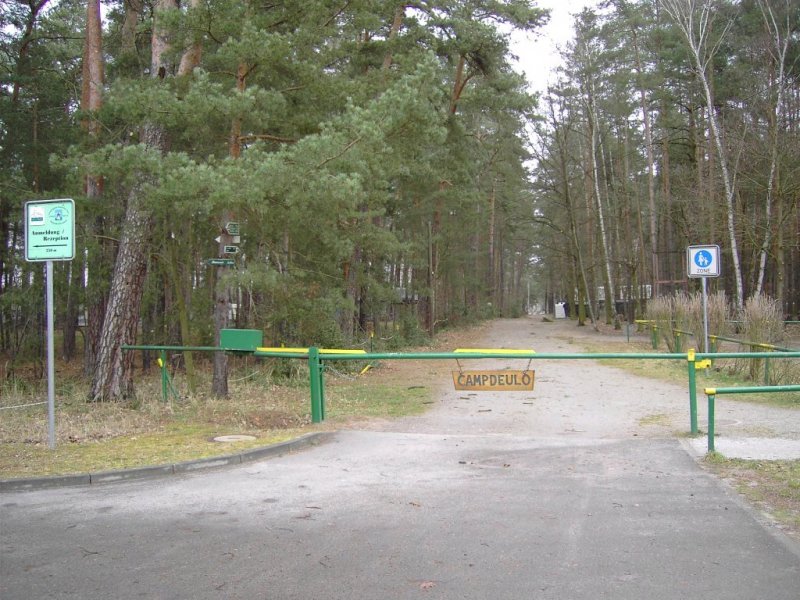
(583, 399)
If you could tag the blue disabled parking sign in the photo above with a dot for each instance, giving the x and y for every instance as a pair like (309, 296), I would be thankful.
(703, 261)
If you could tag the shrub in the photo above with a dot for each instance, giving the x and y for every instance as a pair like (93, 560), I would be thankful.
(684, 312)
(659, 310)
(762, 322)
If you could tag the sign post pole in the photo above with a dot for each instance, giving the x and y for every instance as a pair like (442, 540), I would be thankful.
(49, 236)
(51, 369)
(705, 315)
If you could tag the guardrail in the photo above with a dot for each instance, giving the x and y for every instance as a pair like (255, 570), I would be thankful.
(712, 393)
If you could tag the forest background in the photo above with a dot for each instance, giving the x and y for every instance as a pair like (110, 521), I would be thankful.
(389, 170)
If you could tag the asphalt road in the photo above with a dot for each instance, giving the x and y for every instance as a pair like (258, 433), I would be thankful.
(469, 501)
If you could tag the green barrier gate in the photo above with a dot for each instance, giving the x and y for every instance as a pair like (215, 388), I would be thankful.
(316, 358)
(712, 394)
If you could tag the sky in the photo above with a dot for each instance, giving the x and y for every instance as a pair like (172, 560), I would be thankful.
(538, 54)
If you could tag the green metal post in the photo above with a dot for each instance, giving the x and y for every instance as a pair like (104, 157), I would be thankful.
(654, 336)
(678, 341)
(692, 391)
(164, 374)
(314, 380)
(711, 398)
(322, 389)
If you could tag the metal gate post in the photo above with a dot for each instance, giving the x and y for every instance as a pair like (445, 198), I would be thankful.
(163, 364)
(321, 372)
(315, 380)
(711, 399)
(690, 358)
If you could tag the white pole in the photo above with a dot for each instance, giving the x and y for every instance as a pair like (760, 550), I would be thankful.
(528, 304)
(51, 369)
(705, 316)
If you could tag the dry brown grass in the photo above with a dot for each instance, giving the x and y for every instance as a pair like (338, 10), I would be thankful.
(148, 430)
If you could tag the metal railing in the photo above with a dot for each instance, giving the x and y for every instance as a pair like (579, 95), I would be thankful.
(712, 393)
(714, 339)
(317, 357)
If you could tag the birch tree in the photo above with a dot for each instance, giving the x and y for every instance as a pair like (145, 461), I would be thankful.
(695, 18)
(779, 29)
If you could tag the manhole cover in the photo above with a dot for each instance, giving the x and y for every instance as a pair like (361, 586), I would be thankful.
(234, 438)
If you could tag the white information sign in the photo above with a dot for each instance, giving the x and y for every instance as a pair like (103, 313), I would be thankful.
(49, 230)
(703, 261)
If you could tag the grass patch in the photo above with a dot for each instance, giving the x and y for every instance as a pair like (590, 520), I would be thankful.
(366, 399)
(92, 437)
(180, 443)
(655, 420)
(772, 486)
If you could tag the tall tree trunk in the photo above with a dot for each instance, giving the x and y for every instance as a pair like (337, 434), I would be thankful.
(182, 291)
(222, 291)
(222, 307)
(594, 137)
(100, 256)
(397, 22)
(577, 252)
(70, 329)
(651, 164)
(113, 377)
(491, 275)
(780, 50)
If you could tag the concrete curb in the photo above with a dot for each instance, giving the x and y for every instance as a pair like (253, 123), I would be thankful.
(40, 483)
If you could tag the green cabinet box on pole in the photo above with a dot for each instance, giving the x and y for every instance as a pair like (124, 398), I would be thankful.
(241, 340)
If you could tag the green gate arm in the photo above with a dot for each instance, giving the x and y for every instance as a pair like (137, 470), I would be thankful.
(711, 394)
(484, 355)
(176, 348)
(754, 389)
(716, 355)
